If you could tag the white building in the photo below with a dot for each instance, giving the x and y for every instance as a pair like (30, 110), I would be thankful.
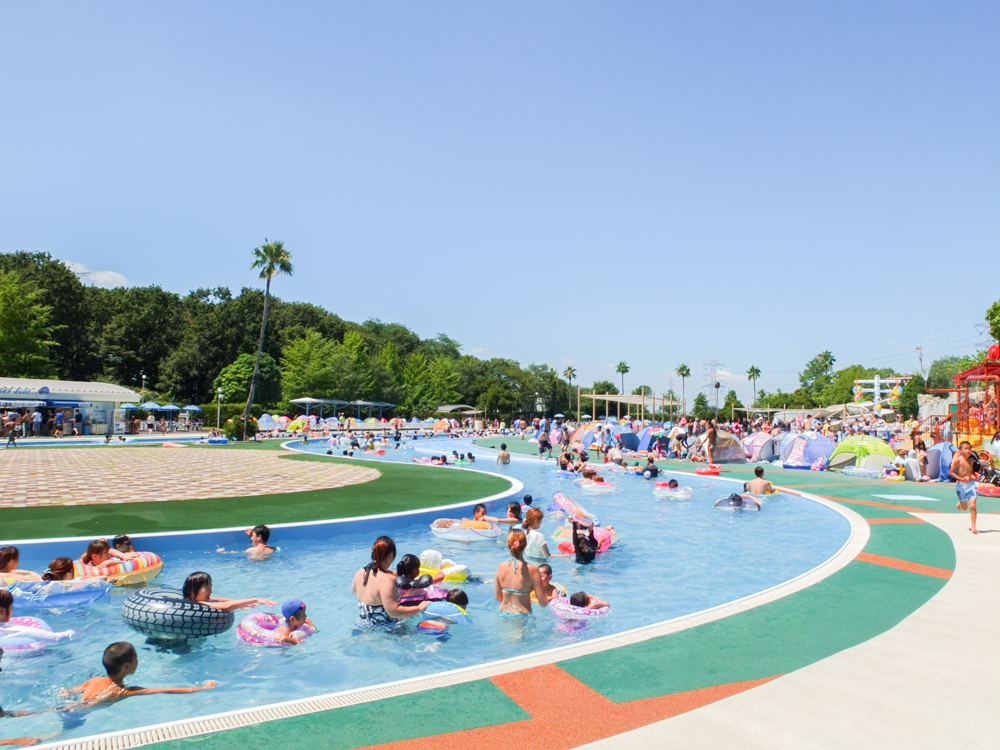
(95, 403)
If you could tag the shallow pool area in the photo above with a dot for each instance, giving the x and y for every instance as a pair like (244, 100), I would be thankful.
(674, 558)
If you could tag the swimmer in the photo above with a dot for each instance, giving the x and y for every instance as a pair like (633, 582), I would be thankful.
(378, 598)
(99, 555)
(61, 569)
(585, 601)
(408, 574)
(121, 547)
(503, 457)
(758, 485)
(9, 558)
(294, 612)
(121, 661)
(198, 588)
(535, 550)
(545, 573)
(527, 501)
(258, 540)
(516, 579)
(8, 630)
(585, 545)
(513, 514)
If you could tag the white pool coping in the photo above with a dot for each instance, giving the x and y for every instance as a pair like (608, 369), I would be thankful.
(183, 728)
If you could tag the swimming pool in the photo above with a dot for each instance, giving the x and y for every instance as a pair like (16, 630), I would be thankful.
(674, 558)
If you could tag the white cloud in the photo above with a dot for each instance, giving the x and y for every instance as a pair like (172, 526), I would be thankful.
(477, 351)
(105, 279)
(569, 362)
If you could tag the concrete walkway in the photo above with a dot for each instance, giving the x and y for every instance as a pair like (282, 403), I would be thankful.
(930, 682)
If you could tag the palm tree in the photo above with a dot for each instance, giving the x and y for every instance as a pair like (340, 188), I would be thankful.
(623, 368)
(683, 371)
(569, 373)
(826, 360)
(752, 374)
(271, 258)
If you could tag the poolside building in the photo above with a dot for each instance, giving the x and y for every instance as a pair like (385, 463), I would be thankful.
(95, 407)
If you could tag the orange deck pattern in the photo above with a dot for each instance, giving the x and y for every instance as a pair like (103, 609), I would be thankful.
(565, 713)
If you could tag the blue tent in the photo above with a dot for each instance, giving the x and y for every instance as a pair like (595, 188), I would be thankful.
(630, 441)
(805, 449)
(939, 458)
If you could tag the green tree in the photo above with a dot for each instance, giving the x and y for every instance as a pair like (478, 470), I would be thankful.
(271, 258)
(442, 381)
(700, 408)
(570, 373)
(943, 370)
(753, 373)
(622, 368)
(909, 405)
(684, 372)
(417, 385)
(235, 379)
(74, 351)
(729, 406)
(838, 388)
(817, 374)
(993, 318)
(361, 378)
(387, 370)
(26, 335)
(312, 366)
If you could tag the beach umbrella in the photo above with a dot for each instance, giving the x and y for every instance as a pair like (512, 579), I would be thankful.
(170, 407)
(128, 406)
(150, 406)
(192, 407)
(559, 416)
(283, 418)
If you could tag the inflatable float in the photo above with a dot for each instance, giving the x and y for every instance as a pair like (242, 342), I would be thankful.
(563, 609)
(432, 563)
(259, 628)
(14, 643)
(738, 502)
(465, 530)
(450, 613)
(573, 511)
(561, 592)
(141, 569)
(663, 491)
(709, 471)
(165, 613)
(47, 594)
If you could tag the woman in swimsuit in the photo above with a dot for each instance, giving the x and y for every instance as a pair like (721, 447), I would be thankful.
(378, 599)
(516, 579)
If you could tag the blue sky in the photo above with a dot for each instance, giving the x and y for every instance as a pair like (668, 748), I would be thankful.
(561, 182)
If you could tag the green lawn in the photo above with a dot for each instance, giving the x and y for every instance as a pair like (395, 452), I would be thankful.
(400, 487)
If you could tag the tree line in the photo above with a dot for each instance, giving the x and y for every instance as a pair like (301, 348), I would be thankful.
(183, 348)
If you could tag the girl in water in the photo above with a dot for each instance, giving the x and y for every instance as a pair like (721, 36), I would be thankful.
(536, 550)
(516, 579)
(198, 588)
(378, 598)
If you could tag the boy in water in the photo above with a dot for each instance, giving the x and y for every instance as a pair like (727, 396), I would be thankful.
(121, 661)
(294, 612)
(258, 539)
(963, 471)
(758, 485)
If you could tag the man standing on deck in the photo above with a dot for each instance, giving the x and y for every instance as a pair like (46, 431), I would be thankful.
(963, 471)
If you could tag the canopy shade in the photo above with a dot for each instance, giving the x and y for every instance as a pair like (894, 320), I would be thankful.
(636, 400)
(192, 407)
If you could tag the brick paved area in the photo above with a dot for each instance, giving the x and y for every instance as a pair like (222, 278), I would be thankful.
(87, 476)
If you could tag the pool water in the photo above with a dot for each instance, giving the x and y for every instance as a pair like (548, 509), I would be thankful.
(674, 557)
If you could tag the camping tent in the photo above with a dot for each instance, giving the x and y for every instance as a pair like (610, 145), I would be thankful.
(939, 458)
(805, 449)
(759, 446)
(728, 448)
(441, 424)
(861, 450)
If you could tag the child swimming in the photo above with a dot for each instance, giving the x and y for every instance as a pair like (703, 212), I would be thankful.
(294, 613)
(585, 601)
(258, 540)
(120, 661)
(9, 558)
(513, 514)
(198, 588)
